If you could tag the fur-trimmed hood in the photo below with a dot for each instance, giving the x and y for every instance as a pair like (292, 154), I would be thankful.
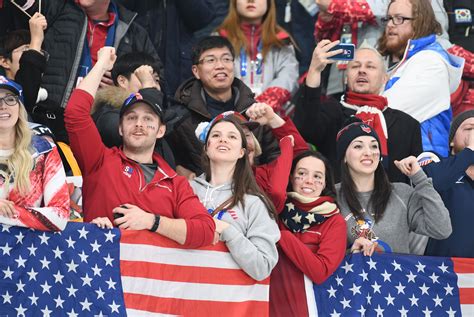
(112, 96)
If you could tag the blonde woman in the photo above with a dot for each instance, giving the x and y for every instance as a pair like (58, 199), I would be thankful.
(33, 191)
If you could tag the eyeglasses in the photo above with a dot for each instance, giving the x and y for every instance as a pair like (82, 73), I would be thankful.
(9, 100)
(212, 60)
(396, 20)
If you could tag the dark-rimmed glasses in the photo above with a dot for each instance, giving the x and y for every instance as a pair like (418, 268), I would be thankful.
(396, 20)
(9, 100)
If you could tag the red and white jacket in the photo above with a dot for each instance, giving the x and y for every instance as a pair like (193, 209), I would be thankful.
(46, 206)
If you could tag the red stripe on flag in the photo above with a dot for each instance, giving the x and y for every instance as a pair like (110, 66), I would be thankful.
(150, 238)
(195, 307)
(191, 274)
(466, 296)
(463, 265)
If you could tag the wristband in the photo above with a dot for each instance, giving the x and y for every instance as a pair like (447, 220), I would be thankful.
(156, 224)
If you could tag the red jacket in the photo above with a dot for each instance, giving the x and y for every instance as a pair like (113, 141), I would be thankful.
(111, 179)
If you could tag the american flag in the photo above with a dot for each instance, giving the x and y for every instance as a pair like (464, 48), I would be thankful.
(396, 285)
(87, 271)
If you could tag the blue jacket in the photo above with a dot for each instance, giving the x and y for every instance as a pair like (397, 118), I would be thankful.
(457, 191)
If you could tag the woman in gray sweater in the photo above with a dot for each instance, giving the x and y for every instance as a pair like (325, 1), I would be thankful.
(243, 214)
(380, 215)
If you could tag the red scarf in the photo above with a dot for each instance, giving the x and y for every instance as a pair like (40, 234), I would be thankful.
(371, 117)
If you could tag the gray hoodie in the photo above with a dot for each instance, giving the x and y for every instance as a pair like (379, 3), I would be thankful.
(420, 210)
(252, 234)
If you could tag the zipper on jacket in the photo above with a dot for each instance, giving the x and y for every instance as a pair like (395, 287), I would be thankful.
(252, 66)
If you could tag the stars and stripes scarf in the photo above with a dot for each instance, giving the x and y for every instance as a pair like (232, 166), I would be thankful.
(300, 212)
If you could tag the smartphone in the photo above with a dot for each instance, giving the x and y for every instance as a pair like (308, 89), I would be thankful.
(347, 52)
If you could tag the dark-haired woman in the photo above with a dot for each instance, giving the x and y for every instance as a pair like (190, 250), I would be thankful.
(380, 214)
(313, 242)
(243, 214)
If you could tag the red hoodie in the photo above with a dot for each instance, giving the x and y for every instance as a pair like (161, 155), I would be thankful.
(111, 179)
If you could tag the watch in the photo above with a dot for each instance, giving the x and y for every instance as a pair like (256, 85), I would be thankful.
(156, 224)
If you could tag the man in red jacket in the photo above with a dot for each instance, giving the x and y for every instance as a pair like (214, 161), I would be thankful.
(132, 186)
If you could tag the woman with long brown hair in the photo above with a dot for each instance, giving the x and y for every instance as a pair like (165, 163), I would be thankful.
(244, 216)
(33, 190)
(265, 59)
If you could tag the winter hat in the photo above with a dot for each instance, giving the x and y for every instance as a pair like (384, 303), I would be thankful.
(457, 121)
(347, 134)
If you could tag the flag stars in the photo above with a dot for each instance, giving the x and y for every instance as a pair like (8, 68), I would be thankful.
(386, 276)
(34, 299)
(100, 293)
(86, 280)
(400, 288)
(335, 314)
(71, 266)
(46, 312)
(362, 311)
(46, 287)
(111, 283)
(58, 277)
(72, 291)
(20, 286)
(95, 246)
(355, 289)
(21, 310)
(420, 267)
(7, 298)
(86, 305)
(70, 242)
(45, 263)
(376, 287)
(364, 276)
(83, 233)
(443, 268)
(332, 292)
(114, 307)
(396, 266)
(345, 303)
(109, 236)
(21, 262)
(6, 228)
(32, 274)
(8, 273)
(403, 312)
(451, 312)
(83, 256)
(372, 264)
(427, 312)
(108, 260)
(448, 289)
(72, 313)
(369, 299)
(19, 238)
(96, 270)
(6, 249)
(44, 238)
(347, 267)
(59, 301)
(57, 253)
(390, 300)
(297, 218)
(339, 281)
(434, 278)
(290, 206)
(379, 311)
(32, 250)
(424, 289)
(437, 300)
(414, 300)
(411, 277)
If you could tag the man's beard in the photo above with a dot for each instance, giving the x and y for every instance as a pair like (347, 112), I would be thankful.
(396, 49)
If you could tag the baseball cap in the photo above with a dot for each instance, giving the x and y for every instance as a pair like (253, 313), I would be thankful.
(12, 86)
(151, 96)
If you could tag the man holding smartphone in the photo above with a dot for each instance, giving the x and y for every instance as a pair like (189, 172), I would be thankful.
(319, 121)
(132, 181)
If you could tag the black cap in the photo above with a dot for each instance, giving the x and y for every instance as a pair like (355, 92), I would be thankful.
(457, 121)
(347, 134)
(151, 96)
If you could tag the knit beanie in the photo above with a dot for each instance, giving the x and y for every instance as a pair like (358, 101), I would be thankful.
(347, 134)
(457, 121)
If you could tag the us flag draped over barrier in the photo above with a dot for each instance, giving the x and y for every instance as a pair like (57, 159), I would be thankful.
(87, 271)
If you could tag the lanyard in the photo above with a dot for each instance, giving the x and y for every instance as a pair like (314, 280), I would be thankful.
(258, 63)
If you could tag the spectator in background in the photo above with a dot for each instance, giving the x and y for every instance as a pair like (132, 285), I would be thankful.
(213, 90)
(377, 212)
(319, 121)
(132, 182)
(244, 215)
(453, 178)
(33, 190)
(171, 25)
(23, 60)
(265, 60)
(76, 31)
(425, 74)
(298, 18)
